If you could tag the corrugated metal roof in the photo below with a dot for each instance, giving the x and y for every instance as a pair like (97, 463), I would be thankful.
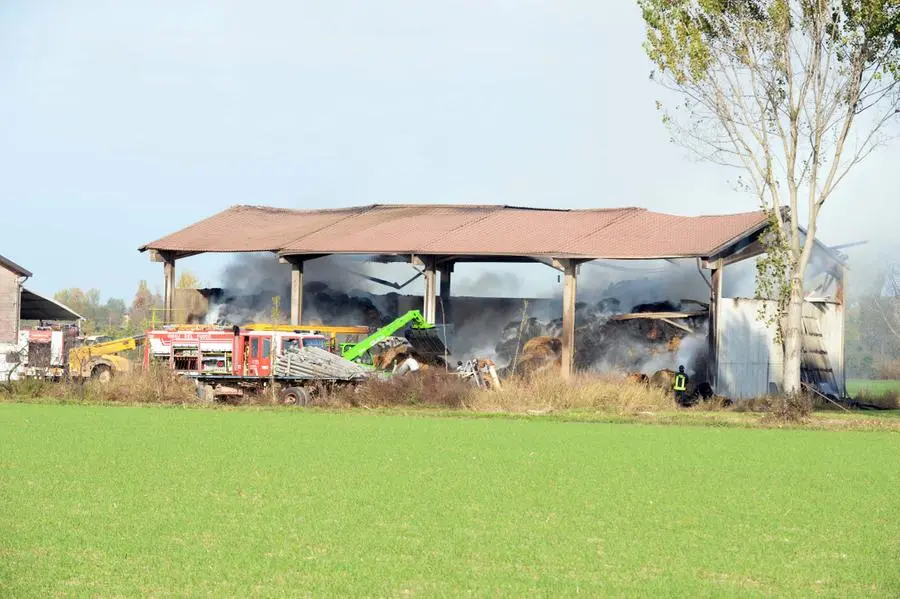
(37, 307)
(452, 230)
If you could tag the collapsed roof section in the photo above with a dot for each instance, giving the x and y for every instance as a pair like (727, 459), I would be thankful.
(497, 232)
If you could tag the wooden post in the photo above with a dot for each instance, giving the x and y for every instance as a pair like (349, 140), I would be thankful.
(715, 293)
(430, 299)
(446, 272)
(296, 292)
(568, 329)
(169, 288)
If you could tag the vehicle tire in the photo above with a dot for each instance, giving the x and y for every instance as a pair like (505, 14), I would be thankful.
(102, 373)
(295, 396)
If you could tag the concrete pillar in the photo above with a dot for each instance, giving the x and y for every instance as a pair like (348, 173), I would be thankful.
(430, 300)
(570, 283)
(296, 292)
(169, 289)
(715, 292)
(446, 273)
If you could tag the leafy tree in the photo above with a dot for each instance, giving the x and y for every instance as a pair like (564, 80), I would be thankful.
(141, 305)
(793, 92)
(97, 316)
(187, 280)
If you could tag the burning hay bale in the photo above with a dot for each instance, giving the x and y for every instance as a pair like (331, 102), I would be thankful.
(539, 353)
(664, 379)
(653, 336)
(638, 378)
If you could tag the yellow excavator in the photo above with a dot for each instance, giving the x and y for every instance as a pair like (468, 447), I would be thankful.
(101, 361)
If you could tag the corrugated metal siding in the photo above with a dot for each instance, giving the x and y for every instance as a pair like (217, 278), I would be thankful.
(748, 357)
(9, 306)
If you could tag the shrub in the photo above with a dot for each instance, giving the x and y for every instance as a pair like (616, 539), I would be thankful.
(431, 387)
(795, 407)
(887, 400)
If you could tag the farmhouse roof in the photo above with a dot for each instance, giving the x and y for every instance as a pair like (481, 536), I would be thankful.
(13, 267)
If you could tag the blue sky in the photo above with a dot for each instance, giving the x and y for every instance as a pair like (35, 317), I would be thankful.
(124, 121)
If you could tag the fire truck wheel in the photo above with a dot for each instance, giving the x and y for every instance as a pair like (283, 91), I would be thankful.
(102, 373)
(295, 396)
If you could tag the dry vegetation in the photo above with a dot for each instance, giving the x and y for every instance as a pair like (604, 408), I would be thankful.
(886, 400)
(157, 385)
(586, 396)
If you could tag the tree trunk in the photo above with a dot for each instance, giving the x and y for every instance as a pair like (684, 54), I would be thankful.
(793, 338)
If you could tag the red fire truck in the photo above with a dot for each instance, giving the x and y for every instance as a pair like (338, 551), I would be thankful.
(228, 361)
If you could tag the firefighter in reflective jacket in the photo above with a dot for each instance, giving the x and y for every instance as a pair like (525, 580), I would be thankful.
(680, 386)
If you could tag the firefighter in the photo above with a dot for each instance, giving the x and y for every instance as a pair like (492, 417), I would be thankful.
(680, 387)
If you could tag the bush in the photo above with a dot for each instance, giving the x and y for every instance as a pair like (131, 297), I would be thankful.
(887, 400)
(431, 387)
(796, 407)
(155, 385)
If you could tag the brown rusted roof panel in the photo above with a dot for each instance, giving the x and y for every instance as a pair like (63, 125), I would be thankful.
(391, 230)
(249, 229)
(623, 233)
(527, 232)
(667, 236)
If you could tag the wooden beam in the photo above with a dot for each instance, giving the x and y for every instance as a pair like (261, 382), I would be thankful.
(678, 325)
(658, 315)
(750, 251)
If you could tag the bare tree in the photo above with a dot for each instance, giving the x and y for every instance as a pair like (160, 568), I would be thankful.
(793, 92)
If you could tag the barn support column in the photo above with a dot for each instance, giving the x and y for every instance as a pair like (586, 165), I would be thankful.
(446, 309)
(430, 299)
(715, 293)
(296, 292)
(296, 263)
(570, 288)
(168, 262)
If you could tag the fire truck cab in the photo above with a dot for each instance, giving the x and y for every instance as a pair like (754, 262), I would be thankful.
(255, 350)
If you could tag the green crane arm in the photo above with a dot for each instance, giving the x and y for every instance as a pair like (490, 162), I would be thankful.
(358, 350)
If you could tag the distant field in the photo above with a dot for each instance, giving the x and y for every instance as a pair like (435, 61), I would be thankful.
(118, 501)
(876, 387)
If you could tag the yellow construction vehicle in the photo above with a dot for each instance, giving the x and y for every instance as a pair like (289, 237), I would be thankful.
(100, 360)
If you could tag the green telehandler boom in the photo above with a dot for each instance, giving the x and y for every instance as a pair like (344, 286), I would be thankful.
(422, 336)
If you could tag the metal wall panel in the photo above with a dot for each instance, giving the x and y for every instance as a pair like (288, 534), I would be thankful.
(749, 357)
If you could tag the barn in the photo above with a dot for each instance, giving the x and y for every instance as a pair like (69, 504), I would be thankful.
(745, 356)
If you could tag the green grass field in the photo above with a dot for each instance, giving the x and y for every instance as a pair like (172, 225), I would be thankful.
(119, 501)
(875, 387)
